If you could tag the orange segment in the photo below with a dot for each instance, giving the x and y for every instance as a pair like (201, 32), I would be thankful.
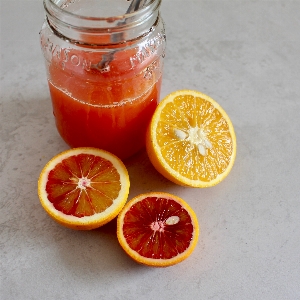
(83, 188)
(191, 140)
(157, 229)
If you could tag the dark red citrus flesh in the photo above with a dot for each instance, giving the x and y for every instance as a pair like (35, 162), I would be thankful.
(82, 185)
(146, 231)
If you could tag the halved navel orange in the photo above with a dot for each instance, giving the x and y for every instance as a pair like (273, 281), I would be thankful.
(83, 188)
(191, 140)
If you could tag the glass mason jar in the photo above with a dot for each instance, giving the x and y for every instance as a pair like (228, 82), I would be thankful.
(104, 61)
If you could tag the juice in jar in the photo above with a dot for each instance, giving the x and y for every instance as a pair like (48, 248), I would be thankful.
(112, 115)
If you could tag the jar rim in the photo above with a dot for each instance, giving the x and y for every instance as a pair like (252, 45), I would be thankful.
(69, 18)
(101, 30)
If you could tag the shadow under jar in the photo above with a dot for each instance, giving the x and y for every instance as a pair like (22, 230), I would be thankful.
(104, 69)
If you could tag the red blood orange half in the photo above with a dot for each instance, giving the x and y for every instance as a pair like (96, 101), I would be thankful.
(157, 229)
(83, 188)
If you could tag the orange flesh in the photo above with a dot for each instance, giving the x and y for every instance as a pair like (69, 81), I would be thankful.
(202, 114)
(83, 185)
(146, 230)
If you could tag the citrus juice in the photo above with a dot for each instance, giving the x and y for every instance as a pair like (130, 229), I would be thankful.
(108, 110)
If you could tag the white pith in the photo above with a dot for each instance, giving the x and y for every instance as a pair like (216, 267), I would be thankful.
(83, 183)
(196, 136)
(160, 225)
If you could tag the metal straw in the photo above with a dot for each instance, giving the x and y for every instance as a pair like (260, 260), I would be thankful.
(135, 5)
(103, 65)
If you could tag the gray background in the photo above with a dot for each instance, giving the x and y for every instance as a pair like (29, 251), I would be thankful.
(245, 55)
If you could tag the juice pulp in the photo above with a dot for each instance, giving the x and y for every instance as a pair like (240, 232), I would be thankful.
(109, 110)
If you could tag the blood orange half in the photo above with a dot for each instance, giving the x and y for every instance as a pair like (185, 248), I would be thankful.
(157, 229)
(83, 188)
